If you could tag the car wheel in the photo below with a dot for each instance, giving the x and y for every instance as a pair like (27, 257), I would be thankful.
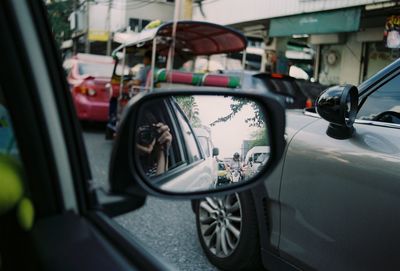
(228, 232)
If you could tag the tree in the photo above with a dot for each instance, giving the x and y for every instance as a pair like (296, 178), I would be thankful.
(190, 108)
(58, 13)
(260, 138)
(258, 120)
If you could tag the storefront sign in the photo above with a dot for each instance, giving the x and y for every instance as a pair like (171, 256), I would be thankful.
(345, 20)
(98, 35)
(392, 32)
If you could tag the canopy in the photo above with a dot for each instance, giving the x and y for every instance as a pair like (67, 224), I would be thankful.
(193, 38)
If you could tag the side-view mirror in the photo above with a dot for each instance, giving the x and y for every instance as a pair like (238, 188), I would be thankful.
(215, 152)
(156, 151)
(338, 105)
(250, 159)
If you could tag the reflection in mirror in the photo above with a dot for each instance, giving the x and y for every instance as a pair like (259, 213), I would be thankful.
(200, 142)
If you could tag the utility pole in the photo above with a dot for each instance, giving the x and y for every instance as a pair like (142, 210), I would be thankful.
(108, 21)
(87, 43)
(188, 9)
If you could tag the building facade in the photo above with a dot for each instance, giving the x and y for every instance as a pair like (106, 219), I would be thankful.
(105, 18)
(335, 42)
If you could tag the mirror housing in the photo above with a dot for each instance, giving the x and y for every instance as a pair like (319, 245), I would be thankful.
(215, 152)
(338, 105)
(125, 175)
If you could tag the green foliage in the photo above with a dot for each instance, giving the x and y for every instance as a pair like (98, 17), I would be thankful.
(190, 108)
(258, 120)
(58, 14)
(260, 138)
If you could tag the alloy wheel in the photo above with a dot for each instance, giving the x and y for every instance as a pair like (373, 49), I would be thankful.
(221, 223)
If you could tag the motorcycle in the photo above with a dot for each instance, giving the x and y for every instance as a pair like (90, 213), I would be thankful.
(236, 176)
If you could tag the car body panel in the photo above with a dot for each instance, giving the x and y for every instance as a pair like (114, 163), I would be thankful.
(295, 121)
(197, 178)
(330, 200)
(254, 153)
(92, 107)
(204, 139)
(339, 216)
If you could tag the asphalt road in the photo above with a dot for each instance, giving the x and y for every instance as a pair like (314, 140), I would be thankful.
(166, 227)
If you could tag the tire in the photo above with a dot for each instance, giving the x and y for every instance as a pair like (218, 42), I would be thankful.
(242, 246)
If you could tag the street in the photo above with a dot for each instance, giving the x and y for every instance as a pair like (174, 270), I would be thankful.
(166, 227)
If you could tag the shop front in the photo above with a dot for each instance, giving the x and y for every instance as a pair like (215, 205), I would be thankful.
(378, 54)
(347, 46)
(300, 49)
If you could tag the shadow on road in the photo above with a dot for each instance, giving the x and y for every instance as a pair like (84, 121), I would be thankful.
(93, 127)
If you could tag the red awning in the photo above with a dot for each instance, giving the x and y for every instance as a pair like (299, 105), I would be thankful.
(192, 38)
(202, 38)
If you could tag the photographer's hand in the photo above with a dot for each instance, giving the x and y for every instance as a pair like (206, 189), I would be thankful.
(146, 149)
(165, 138)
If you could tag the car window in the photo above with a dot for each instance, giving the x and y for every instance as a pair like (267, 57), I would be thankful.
(96, 69)
(205, 145)
(255, 156)
(383, 104)
(192, 148)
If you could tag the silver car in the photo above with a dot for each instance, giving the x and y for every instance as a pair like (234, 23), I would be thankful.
(333, 202)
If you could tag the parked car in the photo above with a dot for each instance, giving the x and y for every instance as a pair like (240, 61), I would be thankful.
(311, 89)
(210, 152)
(283, 86)
(251, 160)
(89, 77)
(53, 216)
(333, 201)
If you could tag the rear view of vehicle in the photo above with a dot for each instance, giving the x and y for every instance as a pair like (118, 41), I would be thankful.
(255, 157)
(223, 177)
(293, 96)
(89, 78)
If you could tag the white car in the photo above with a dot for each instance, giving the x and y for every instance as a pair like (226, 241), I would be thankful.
(210, 152)
(252, 158)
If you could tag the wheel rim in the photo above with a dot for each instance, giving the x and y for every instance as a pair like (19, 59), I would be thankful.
(220, 222)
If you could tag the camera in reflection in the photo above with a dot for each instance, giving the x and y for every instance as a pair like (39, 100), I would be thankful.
(146, 134)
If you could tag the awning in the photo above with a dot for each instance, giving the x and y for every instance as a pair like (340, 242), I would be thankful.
(192, 37)
(345, 20)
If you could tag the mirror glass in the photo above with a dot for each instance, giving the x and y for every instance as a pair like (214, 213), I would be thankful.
(200, 142)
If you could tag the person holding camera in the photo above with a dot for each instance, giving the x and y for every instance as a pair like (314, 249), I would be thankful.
(153, 143)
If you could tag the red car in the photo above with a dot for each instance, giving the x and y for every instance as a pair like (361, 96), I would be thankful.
(88, 78)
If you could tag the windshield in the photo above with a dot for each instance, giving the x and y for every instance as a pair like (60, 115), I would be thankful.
(261, 158)
(96, 69)
(256, 156)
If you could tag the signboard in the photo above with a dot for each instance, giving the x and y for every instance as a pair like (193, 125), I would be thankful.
(345, 20)
(392, 32)
(98, 35)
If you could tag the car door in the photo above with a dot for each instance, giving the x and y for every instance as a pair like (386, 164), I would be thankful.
(196, 167)
(339, 198)
(70, 230)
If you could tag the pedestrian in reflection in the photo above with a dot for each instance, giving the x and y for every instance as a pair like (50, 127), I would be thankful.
(153, 143)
